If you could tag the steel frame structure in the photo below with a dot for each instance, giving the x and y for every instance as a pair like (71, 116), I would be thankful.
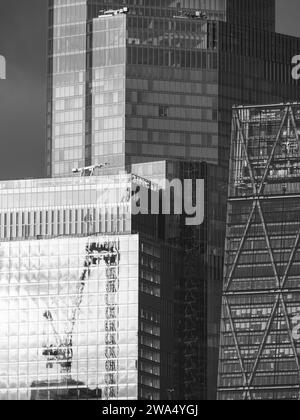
(255, 195)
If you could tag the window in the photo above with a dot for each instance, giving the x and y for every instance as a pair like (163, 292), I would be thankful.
(163, 111)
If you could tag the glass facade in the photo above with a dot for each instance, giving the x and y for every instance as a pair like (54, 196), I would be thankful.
(69, 319)
(160, 266)
(86, 303)
(168, 94)
(214, 9)
(157, 83)
(68, 206)
(198, 292)
(254, 68)
(171, 89)
(259, 356)
(108, 98)
(66, 86)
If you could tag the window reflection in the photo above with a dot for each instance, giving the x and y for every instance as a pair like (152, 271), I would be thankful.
(36, 310)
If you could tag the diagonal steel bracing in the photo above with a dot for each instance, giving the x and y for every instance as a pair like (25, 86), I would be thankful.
(244, 143)
(238, 254)
(265, 336)
(237, 257)
(279, 300)
(287, 110)
(268, 243)
(240, 357)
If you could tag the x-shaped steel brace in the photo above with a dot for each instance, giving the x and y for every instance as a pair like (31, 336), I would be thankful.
(257, 190)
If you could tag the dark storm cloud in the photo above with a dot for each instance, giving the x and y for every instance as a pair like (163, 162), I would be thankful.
(23, 28)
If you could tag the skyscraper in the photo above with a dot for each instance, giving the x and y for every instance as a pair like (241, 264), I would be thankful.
(260, 350)
(198, 291)
(159, 83)
(86, 304)
(50, 229)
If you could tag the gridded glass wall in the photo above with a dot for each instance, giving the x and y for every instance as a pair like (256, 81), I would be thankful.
(86, 97)
(175, 93)
(152, 322)
(260, 348)
(198, 316)
(108, 96)
(69, 319)
(256, 13)
(171, 89)
(65, 207)
(214, 9)
(254, 68)
(66, 86)
(171, 113)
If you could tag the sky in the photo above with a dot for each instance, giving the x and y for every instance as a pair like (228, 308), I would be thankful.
(23, 41)
(288, 17)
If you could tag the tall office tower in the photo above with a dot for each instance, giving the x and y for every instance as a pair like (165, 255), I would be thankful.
(260, 347)
(86, 292)
(159, 82)
(70, 247)
(197, 317)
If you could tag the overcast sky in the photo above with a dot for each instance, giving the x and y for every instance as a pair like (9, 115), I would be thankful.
(22, 95)
(23, 42)
(288, 17)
